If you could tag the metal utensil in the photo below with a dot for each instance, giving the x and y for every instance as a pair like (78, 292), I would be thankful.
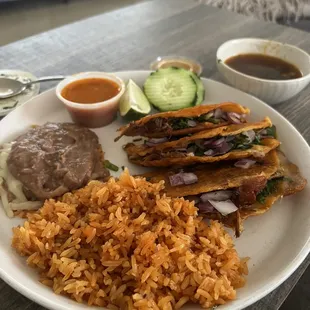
(10, 87)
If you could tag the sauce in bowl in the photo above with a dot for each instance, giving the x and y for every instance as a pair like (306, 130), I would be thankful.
(264, 67)
(177, 62)
(91, 90)
(91, 98)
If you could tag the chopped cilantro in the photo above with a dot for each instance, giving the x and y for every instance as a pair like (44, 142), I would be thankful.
(107, 164)
(213, 120)
(271, 131)
(179, 123)
(270, 188)
(256, 140)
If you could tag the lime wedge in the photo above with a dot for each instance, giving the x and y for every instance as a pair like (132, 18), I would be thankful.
(134, 104)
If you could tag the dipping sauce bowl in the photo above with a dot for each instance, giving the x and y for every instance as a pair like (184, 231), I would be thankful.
(91, 98)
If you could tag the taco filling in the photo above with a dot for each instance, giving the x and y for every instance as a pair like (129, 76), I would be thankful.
(217, 116)
(215, 146)
(245, 196)
(186, 121)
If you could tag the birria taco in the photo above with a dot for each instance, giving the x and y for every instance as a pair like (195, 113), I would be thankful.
(233, 191)
(229, 142)
(186, 121)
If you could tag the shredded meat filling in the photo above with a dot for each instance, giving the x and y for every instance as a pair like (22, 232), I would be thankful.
(246, 194)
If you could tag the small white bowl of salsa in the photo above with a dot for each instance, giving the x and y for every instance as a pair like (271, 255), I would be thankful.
(91, 98)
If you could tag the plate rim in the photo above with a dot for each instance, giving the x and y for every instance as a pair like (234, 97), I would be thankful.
(270, 286)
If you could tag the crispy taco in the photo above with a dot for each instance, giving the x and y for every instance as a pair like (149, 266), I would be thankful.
(186, 121)
(233, 192)
(229, 142)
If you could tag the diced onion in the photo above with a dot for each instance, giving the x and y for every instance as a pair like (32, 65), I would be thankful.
(250, 134)
(216, 195)
(155, 141)
(209, 152)
(218, 142)
(224, 207)
(183, 178)
(244, 163)
(191, 123)
(218, 113)
(205, 207)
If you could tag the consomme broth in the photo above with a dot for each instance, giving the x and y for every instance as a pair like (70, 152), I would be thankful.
(264, 67)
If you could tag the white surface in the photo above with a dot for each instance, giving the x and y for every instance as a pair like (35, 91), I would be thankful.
(271, 91)
(18, 100)
(277, 241)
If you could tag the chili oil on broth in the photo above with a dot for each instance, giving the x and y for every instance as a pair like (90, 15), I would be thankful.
(264, 67)
(90, 90)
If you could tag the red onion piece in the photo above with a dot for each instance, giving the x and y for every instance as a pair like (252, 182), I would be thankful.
(234, 117)
(224, 207)
(224, 148)
(189, 178)
(244, 163)
(155, 141)
(219, 150)
(224, 116)
(176, 179)
(218, 142)
(205, 207)
(182, 178)
(218, 113)
(230, 138)
(208, 141)
(263, 132)
(191, 123)
(216, 195)
(209, 152)
(250, 134)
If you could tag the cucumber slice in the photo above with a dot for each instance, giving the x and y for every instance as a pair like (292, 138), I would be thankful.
(171, 89)
(134, 104)
(200, 88)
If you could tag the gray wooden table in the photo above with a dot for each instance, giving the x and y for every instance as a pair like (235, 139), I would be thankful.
(129, 39)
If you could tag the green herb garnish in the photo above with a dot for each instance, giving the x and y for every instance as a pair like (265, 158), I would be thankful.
(213, 120)
(256, 140)
(107, 164)
(179, 123)
(270, 188)
(272, 131)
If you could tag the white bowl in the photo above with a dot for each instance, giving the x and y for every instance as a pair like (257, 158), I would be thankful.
(271, 91)
(96, 114)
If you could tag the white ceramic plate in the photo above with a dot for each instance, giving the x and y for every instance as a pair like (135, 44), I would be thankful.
(277, 241)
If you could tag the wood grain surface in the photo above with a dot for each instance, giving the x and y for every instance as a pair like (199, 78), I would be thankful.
(129, 39)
